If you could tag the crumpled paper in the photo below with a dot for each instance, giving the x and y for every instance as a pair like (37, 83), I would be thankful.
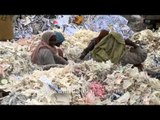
(108, 22)
(31, 25)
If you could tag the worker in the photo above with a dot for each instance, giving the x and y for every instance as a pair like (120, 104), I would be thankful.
(6, 27)
(48, 51)
(112, 46)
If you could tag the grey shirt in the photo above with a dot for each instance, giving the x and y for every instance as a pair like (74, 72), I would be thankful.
(45, 57)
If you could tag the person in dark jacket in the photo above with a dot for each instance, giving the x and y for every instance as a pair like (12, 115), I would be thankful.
(114, 50)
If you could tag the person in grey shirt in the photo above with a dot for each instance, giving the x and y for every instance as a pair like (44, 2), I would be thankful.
(46, 52)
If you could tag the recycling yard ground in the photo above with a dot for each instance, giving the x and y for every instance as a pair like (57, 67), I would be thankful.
(79, 82)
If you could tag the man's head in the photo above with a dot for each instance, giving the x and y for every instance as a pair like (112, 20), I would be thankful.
(53, 38)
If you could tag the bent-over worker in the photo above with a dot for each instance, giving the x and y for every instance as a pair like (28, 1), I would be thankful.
(47, 52)
(112, 46)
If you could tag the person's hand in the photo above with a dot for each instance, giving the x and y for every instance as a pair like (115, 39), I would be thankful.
(133, 48)
(83, 54)
(65, 58)
(139, 66)
(60, 52)
(136, 46)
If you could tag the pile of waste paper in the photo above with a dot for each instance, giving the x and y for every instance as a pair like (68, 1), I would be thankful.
(110, 22)
(79, 82)
(29, 25)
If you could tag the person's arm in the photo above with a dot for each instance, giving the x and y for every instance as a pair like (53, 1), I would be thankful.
(130, 43)
(89, 48)
(47, 67)
(60, 52)
(93, 42)
(60, 60)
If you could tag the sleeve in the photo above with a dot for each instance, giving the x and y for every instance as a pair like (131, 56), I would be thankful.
(45, 57)
(130, 43)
